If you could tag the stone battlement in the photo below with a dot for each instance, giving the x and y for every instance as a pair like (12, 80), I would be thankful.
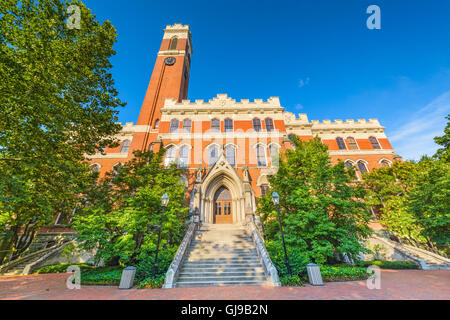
(222, 100)
(177, 26)
(351, 122)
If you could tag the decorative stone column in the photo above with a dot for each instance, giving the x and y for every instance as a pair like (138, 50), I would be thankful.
(248, 196)
(198, 196)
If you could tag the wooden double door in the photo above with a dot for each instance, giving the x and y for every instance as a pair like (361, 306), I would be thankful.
(223, 212)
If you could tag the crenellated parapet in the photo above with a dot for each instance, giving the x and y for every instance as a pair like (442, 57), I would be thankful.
(349, 125)
(222, 104)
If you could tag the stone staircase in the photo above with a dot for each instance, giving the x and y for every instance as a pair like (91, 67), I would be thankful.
(220, 255)
(427, 260)
(432, 260)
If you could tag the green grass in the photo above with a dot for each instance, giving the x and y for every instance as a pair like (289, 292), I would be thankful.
(384, 264)
(343, 273)
(61, 268)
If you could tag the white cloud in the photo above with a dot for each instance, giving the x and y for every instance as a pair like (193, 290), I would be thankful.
(303, 83)
(298, 106)
(415, 137)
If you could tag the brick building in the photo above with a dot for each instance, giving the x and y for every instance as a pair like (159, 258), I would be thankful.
(229, 147)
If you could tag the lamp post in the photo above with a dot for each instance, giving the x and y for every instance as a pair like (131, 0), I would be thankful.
(276, 202)
(164, 202)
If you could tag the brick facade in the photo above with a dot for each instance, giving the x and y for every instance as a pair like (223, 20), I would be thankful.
(363, 144)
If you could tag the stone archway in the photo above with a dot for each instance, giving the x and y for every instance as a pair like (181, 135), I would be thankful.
(223, 175)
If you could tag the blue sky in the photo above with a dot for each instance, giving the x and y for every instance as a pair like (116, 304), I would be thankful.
(317, 56)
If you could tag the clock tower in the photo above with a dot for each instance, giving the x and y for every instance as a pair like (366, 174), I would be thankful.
(170, 79)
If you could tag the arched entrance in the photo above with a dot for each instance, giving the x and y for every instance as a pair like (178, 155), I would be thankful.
(223, 212)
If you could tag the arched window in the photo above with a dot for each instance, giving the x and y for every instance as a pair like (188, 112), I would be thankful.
(187, 125)
(174, 124)
(348, 164)
(260, 155)
(374, 143)
(184, 157)
(362, 167)
(230, 154)
(385, 163)
(228, 125)
(125, 146)
(274, 154)
(256, 124)
(213, 155)
(352, 143)
(157, 123)
(173, 43)
(170, 156)
(215, 125)
(341, 143)
(269, 124)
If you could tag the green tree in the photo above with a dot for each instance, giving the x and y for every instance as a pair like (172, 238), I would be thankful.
(388, 189)
(413, 199)
(444, 153)
(121, 214)
(321, 206)
(58, 103)
(429, 202)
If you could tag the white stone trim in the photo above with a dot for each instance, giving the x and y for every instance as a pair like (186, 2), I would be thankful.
(275, 144)
(235, 146)
(361, 152)
(384, 159)
(222, 135)
(184, 144)
(260, 143)
(122, 155)
(363, 161)
(356, 135)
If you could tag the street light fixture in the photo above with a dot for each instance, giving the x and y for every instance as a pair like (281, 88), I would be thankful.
(276, 202)
(164, 202)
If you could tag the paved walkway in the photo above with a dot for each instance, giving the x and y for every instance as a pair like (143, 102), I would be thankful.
(395, 284)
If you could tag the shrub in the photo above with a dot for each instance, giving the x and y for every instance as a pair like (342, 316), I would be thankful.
(102, 276)
(297, 258)
(151, 283)
(384, 264)
(61, 268)
(343, 273)
(144, 268)
(294, 281)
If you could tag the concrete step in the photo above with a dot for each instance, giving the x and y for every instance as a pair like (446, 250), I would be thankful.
(220, 269)
(436, 266)
(247, 273)
(230, 259)
(208, 265)
(222, 253)
(239, 277)
(219, 283)
(221, 244)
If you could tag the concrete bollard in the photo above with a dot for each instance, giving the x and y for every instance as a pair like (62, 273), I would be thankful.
(127, 279)
(315, 278)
